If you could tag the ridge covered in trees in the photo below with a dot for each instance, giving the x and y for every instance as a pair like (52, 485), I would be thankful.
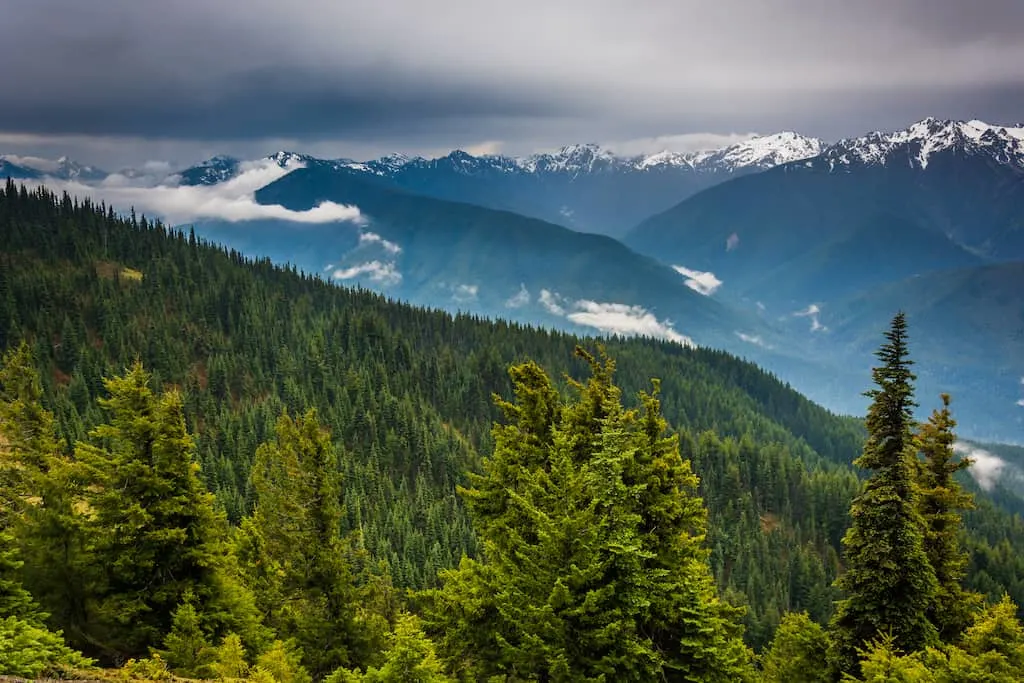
(225, 469)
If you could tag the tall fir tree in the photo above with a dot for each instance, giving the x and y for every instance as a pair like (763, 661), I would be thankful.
(298, 563)
(156, 534)
(593, 567)
(888, 583)
(41, 498)
(941, 501)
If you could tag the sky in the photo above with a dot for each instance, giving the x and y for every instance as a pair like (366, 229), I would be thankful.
(124, 82)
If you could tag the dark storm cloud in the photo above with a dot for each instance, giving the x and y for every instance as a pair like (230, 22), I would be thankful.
(531, 71)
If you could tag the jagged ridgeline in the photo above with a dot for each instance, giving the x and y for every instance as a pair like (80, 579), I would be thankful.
(407, 396)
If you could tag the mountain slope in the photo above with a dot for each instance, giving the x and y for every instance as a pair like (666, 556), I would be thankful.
(966, 194)
(450, 254)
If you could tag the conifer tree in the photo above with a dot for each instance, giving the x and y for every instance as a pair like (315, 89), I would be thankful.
(888, 582)
(941, 501)
(156, 534)
(593, 567)
(293, 550)
(38, 500)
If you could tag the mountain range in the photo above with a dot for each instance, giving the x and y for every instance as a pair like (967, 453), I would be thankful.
(782, 248)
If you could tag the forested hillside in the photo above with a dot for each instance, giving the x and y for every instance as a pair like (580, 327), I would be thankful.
(243, 350)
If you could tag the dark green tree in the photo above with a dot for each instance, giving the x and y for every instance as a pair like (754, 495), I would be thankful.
(298, 562)
(888, 583)
(941, 501)
(156, 534)
(593, 567)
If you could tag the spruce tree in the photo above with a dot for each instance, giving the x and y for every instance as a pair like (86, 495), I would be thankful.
(153, 523)
(593, 563)
(941, 501)
(297, 561)
(888, 582)
(41, 499)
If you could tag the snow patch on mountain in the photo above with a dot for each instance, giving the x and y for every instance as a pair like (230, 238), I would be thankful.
(917, 144)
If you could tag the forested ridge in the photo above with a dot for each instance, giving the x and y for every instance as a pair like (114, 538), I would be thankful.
(333, 427)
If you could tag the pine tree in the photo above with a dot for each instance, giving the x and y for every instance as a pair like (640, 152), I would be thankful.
(296, 558)
(941, 501)
(39, 496)
(593, 567)
(797, 652)
(15, 601)
(153, 522)
(410, 658)
(888, 582)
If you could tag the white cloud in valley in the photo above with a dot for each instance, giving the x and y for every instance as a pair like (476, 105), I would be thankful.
(519, 299)
(699, 281)
(232, 201)
(987, 467)
(382, 272)
(732, 242)
(625, 320)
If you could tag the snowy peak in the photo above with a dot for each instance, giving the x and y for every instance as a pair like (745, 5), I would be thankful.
(214, 170)
(761, 152)
(917, 144)
(63, 168)
(571, 159)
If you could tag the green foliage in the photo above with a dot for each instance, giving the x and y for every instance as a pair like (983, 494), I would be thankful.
(404, 394)
(888, 582)
(300, 565)
(281, 663)
(186, 649)
(883, 663)
(29, 650)
(229, 659)
(410, 658)
(797, 653)
(152, 520)
(15, 601)
(592, 533)
(152, 668)
(941, 502)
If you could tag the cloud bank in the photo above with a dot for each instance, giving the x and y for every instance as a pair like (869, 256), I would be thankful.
(384, 273)
(987, 467)
(611, 318)
(542, 74)
(231, 201)
(703, 282)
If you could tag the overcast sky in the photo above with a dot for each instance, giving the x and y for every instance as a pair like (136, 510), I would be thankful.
(119, 82)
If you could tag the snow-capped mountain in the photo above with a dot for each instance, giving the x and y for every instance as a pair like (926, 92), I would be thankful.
(760, 152)
(918, 144)
(62, 168)
(210, 172)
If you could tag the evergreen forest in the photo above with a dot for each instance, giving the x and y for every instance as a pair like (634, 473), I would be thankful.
(212, 467)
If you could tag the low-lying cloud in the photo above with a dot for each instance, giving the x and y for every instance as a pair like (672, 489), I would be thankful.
(699, 281)
(232, 201)
(625, 320)
(987, 467)
(381, 272)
